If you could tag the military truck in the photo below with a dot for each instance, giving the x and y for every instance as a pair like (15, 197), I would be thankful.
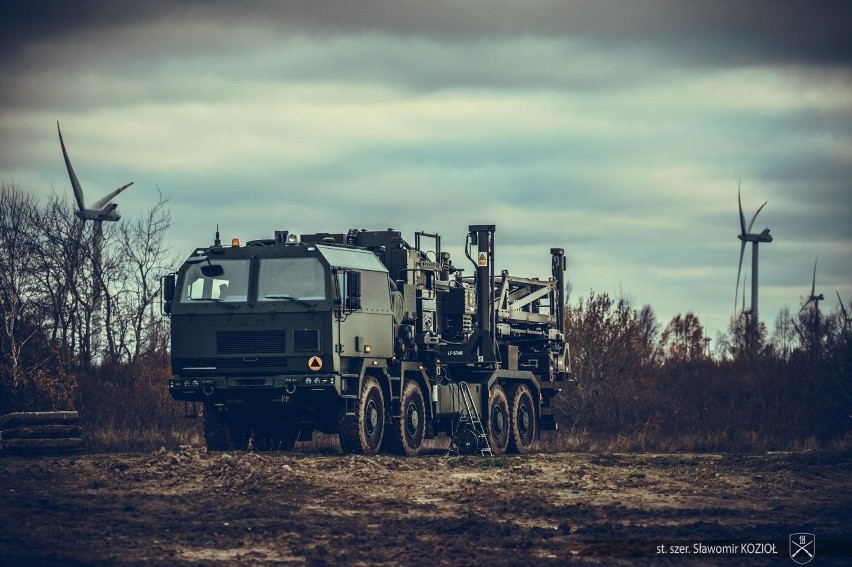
(364, 335)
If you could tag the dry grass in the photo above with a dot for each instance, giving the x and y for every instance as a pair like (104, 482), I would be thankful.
(128, 408)
(739, 442)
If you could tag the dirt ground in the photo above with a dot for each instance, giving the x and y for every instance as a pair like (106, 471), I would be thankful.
(190, 507)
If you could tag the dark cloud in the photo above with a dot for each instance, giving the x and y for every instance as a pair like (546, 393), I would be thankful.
(770, 31)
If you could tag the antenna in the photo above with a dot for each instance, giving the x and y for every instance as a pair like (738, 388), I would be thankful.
(216, 242)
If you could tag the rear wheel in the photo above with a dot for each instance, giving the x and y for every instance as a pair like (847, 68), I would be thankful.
(523, 420)
(498, 420)
(363, 432)
(406, 434)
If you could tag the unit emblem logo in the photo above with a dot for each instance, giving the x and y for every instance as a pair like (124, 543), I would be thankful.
(802, 547)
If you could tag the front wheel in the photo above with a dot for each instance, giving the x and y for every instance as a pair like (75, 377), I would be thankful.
(363, 432)
(523, 420)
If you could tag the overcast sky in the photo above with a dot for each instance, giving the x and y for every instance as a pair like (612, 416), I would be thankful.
(617, 130)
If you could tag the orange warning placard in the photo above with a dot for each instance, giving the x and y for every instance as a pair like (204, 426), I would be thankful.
(315, 363)
(483, 259)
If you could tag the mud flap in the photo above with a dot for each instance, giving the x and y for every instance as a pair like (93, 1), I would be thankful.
(547, 422)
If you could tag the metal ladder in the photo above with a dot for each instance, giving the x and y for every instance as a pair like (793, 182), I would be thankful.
(469, 415)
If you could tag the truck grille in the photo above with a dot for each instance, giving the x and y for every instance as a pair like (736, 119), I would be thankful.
(250, 342)
(209, 364)
(306, 340)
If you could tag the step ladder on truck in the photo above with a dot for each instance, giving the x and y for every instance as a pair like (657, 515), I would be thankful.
(469, 433)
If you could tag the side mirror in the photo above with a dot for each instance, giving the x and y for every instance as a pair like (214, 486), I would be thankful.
(168, 284)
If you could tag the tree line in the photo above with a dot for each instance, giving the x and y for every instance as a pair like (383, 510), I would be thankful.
(67, 308)
(81, 329)
(638, 385)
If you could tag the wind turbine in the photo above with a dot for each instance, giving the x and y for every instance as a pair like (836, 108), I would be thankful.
(102, 210)
(747, 236)
(815, 299)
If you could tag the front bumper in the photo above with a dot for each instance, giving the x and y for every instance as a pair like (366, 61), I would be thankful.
(230, 389)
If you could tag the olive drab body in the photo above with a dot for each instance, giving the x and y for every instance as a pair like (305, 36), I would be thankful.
(364, 335)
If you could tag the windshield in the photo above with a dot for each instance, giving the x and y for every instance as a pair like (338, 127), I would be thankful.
(230, 284)
(301, 279)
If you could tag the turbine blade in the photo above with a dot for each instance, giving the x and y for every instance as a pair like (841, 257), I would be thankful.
(813, 283)
(842, 307)
(739, 270)
(109, 197)
(754, 218)
(740, 201)
(75, 184)
(806, 304)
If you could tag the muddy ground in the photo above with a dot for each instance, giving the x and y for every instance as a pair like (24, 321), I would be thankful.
(190, 507)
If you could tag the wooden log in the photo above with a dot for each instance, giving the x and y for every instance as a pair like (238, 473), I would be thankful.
(49, 431)
(40, 445)
(38, 418)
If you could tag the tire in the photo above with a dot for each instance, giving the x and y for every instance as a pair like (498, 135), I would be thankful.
(406, 434)
(523, 425)
(363, 432)
(216, 433)
(498, 420)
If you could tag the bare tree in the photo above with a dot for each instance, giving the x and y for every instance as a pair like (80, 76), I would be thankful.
(683, 339)
(62, 272)
(784, 334)
(610, 355)
(650, 328)
(18, 219)
(143, 252)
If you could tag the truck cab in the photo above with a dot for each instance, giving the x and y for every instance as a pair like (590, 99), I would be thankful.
(262, 333)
